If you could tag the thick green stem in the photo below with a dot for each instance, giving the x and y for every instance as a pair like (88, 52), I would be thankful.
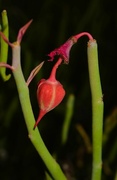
(34, 135)
(97, 109)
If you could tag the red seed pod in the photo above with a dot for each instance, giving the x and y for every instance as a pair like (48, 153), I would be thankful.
(50, 93)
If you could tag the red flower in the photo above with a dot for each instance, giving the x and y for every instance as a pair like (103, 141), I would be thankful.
(50, 93)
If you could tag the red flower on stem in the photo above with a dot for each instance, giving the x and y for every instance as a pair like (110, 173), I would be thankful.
(50, 93)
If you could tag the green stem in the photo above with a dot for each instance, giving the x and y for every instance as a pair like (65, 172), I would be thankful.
(97, 109)
(34, 135)
(113, 152)
(115, 176)
(68, 116)
(4, 45)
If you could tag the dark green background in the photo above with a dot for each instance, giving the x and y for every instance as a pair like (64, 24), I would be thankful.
(53, 23)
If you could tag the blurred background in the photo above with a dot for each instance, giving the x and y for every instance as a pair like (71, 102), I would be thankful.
(53, 23)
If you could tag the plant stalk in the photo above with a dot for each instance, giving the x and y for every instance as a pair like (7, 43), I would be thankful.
(97, 109)
(34, 135)
(68, 117)
(4, 45)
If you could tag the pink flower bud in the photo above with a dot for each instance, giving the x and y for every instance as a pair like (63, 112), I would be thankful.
(50, 93)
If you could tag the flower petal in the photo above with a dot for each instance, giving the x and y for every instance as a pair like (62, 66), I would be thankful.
(63, 50)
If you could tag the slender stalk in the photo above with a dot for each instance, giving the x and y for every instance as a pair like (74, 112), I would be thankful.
(83, 34)
(48, 176)
(34, 135)
(116, 176)
(4, 65)
(97, 109)
(4, 45)
(53, 72)
(113, 153)
(67, 120)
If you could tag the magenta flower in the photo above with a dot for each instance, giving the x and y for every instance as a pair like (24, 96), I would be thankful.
(64, 50)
